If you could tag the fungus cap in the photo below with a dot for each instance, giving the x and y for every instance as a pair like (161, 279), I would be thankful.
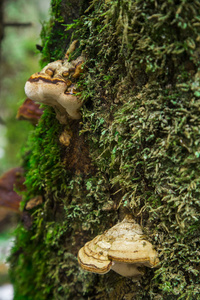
(55, 86)
(122, 248)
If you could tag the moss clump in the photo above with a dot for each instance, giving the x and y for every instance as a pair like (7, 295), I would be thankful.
(140, 126)
(50, 232)
(55, 39)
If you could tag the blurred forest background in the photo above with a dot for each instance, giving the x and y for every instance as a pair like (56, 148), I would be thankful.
(19, 59)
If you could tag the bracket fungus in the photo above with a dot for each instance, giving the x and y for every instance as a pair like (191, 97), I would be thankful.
(29, 111)
(55, 85)
(8, 182)
(122, 248)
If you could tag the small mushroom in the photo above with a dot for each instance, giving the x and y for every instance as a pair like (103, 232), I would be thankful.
(123, 248)
(55, 85)
(65, 137)
(34, 202)
(71, 49)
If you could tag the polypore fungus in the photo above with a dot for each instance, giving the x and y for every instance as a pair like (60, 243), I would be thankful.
(122, 248)
(29, 111)
(55, 85)
(8, 182)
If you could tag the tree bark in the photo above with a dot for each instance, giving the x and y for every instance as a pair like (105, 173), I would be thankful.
(135, 151)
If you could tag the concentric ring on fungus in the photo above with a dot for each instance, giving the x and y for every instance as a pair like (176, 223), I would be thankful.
(122, 249)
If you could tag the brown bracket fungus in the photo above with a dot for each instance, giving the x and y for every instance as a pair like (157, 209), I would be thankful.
(55, 85)
(29, 111)
(8, 182)
(122, 248)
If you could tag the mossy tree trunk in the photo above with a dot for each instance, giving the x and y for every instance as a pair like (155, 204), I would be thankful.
(136, 150)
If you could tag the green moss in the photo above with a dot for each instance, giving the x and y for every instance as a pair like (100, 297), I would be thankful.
(141, 122)
(45, 154)
(144, 132)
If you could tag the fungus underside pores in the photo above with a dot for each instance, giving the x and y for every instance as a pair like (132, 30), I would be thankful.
(122, 249)
(55, 85)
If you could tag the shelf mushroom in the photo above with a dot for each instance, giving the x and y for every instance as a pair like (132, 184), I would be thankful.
(10, 180)
(122, 249)
(55, 85)
(29, 111)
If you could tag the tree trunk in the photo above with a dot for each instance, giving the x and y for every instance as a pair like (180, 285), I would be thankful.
(135, 151)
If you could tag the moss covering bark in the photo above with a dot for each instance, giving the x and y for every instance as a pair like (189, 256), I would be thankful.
(139, 139)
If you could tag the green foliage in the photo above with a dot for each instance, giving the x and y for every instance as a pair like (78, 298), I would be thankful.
(17, 64)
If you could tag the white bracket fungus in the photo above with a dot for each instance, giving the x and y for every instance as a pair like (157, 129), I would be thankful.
(55, 85)
(122, 248)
